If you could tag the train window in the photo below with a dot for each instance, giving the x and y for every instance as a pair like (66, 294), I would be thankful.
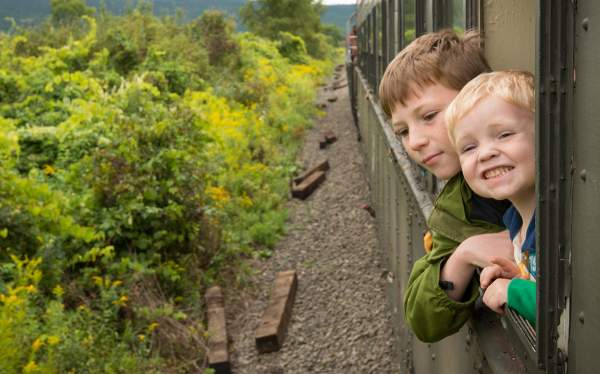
(450, 14)
(379, 43)
(409, 21)
(392, 30)
(458, 16)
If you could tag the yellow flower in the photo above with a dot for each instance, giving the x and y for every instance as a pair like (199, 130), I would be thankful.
(153, 326)
(53, 340)
(31, 367)
(98, 280)
(142, 337)
(246, 201)
(36, 345)
(122, 300)
(31, 288)
(58, 291)
(117, 283)
(12, 299)
(218, 194)
(49, 169)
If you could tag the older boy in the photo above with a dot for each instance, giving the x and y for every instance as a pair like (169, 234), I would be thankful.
(492, 127)
(416, 88)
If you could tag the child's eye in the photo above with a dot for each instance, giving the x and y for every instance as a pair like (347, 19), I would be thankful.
(430, 116)
(467, 148)
(401, 132)
(505, 134)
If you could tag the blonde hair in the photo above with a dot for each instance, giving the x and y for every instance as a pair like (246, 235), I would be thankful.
(512, 86)
(439, 57)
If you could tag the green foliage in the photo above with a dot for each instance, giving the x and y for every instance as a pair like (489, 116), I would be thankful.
(292, 47)
(334, 33)
(215, 30)
(68, 11)
(268, 18)
(134, 174)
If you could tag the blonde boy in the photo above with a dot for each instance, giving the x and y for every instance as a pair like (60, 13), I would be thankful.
(416, 88)
(491, 123)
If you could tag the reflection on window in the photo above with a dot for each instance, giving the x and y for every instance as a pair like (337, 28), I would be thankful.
(370, 35)
(409, 18)
(379, 24)
(458, 16)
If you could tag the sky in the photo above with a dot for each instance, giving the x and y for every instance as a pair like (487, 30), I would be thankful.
(332, 2)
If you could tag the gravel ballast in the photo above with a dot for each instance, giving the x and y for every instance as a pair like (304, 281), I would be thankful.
(340, 320)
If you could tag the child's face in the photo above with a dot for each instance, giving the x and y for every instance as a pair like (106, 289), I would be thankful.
(421, 126)
(496, 146)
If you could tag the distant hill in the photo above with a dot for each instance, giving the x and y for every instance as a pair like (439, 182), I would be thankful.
(29, 12)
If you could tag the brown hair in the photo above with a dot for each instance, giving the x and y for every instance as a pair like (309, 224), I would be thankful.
(513, 86)
(439, 57)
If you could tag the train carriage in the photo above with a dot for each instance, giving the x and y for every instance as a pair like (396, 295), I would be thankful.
(554, 40)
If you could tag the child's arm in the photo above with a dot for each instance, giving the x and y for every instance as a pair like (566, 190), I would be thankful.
(476, 251)
(428, 310)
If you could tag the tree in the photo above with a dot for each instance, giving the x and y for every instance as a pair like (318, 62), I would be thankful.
(67, 11)
(216, 29)
(268, 18)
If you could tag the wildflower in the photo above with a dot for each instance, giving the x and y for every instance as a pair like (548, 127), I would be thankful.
(31, 288)
(153, 326)
(218, 194)
(98, 281)
(36, 345)
(122, 300)
(49, 170)
(31, 367)
(246, 201)
(58, 291)
(142, 337)
(53, 340)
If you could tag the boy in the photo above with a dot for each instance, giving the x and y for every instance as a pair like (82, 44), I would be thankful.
(415, 90)
(491, 125)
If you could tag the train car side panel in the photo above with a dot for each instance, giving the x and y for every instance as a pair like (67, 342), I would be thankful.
(585, 302)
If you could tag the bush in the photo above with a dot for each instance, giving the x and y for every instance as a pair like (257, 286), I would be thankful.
(135, 174)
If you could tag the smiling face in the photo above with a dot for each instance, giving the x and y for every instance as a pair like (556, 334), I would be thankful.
(421, 127)
(496, 147)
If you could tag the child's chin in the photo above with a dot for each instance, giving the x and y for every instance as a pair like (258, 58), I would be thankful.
(443, 174)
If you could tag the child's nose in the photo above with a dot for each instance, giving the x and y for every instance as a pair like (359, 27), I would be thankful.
(487, 152)
(416, 140)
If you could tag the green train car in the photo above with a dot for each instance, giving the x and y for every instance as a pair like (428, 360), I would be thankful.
(559, 41)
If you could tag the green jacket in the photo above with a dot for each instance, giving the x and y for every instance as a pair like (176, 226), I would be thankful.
(521, 296)
(428, 310)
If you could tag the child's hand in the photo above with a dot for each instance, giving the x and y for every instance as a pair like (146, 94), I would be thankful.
(478, 250)
(495, 295)
(500, 268)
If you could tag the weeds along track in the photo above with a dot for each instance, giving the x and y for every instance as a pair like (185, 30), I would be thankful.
(340, 320)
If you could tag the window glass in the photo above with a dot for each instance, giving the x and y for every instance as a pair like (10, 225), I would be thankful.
(379, 24)
(370, 34)
(409, 17)
(458, 16)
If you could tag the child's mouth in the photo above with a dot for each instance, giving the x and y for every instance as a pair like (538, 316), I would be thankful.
(428, 160)
(497, 172)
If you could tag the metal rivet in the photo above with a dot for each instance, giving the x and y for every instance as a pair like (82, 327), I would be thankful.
(585, 23)
(583, 175)
(581, 317)
(433, 357)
